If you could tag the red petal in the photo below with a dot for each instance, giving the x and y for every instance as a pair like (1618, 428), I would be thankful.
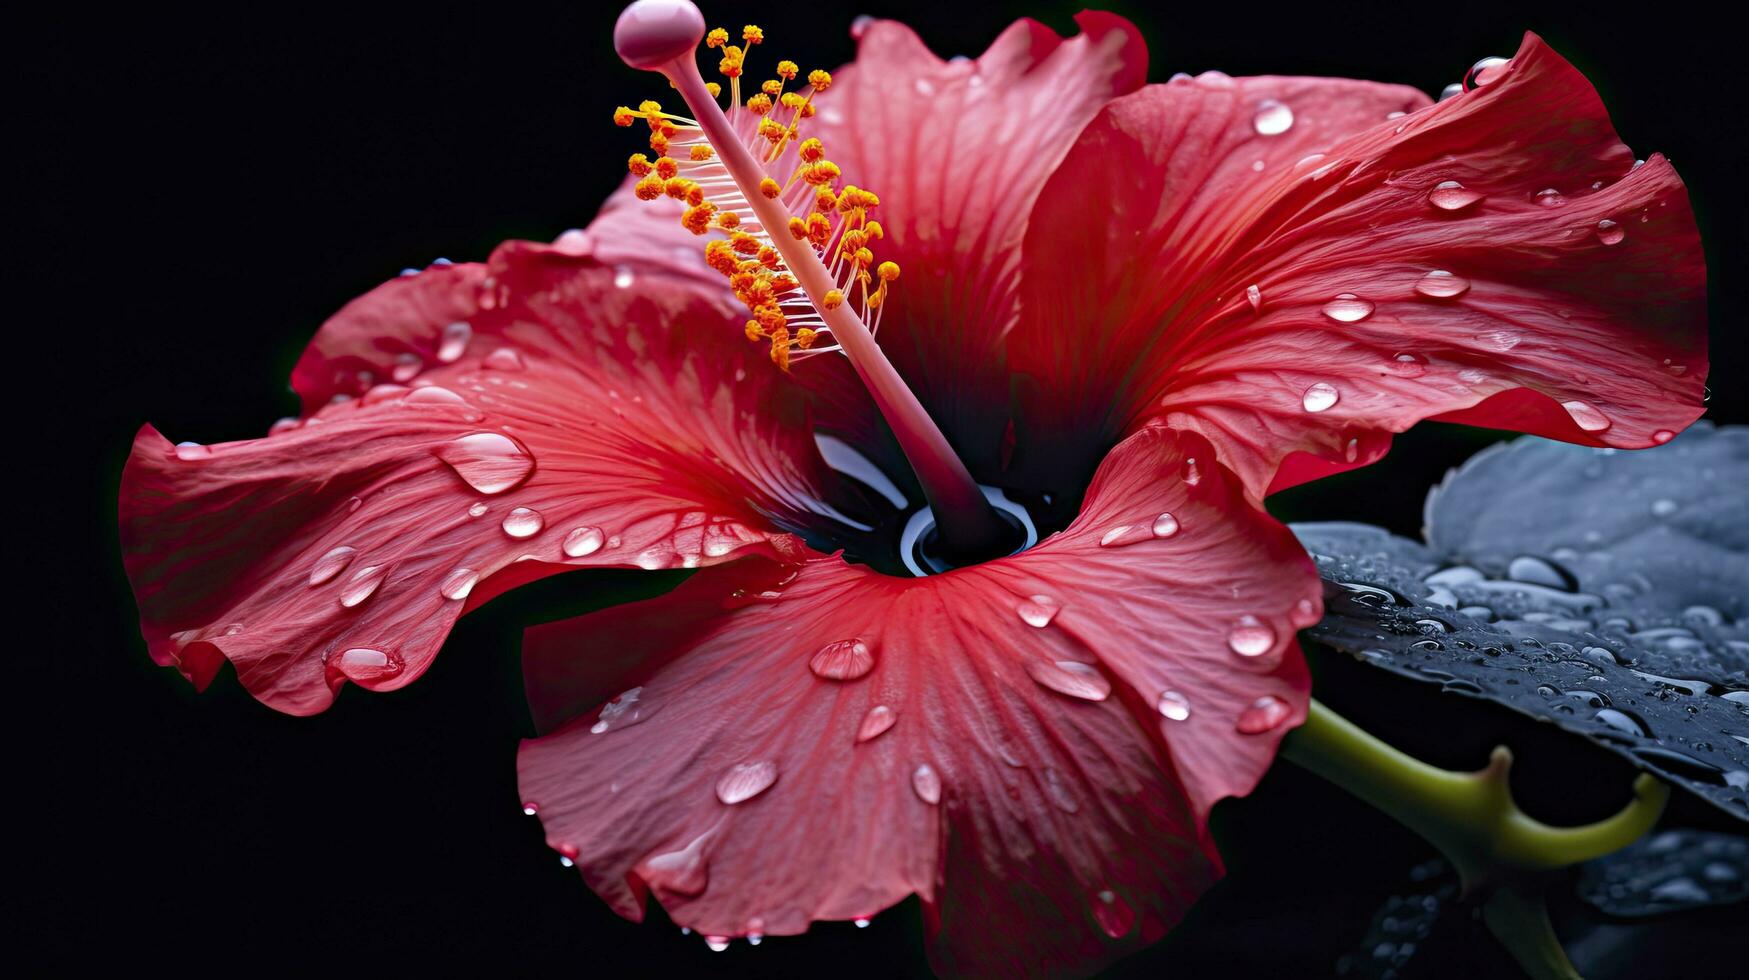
(1542, 301)
(1033, 751)
(576, 418)
(957, 151)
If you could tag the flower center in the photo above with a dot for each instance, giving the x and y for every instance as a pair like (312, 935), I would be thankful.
(798, 247)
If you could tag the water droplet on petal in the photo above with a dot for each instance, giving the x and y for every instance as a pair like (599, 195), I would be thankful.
(457, 584)
(523, 522)
(1348, 308)
(1449, 195)
(363, 664)
(861, 923)
(1125, 534)
(1254, 296)
(192, 450)
(1586, 417)
(434, 395)
(1319, 397)
(1164, 526)
(1038, 611)
(927, 783)
(1484, 72)
(455, 341)
(1305, 613)
(842, 660)
(1408, 365)
(1498, 340)
(1440, 284)
(1174, 705)
(407, 367)
(1610, 233)
(1450, 91)
(530, 809)
(1272, 118)
(362, 585)
(1663, 436)
(505, 359)
(1192, 474)
(1264, 714)
(583, 541)
(623, 278)
(1114, 915)
(860, 25)
(1548, 197)
(1663, 507)
(1250, 637)
(878, 720)
(716, 944)
(331, 564)
(1071, 677)
(490, 462)
(746, 780)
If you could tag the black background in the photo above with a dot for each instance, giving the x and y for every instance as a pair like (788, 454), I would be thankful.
(199, 192)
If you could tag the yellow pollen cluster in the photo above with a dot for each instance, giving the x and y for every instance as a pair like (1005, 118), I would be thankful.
(832, 220)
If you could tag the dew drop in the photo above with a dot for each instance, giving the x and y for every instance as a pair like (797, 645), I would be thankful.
(1125, 534)
(1449, 195)
(490, 462)
(1663, 436)
(1348, 308)
(878, 720)
(478, 510)
(1254, 296)
(1484, 72)
(434, 395)
(455, 341)
(407, 367)
(457, 584)
(362, 585)
(331, 564)
(530, 809)
(842, 660)
(1272, 118)
(1175, 706)
(717, 943)
(1541, 571)
(1038, 611)
(1586, 417)
(1408, 365)
(623, 278)
(1114, 915)
(626, 709)
(523, 522)
(1440, 284)
(1264, 714)
(1250, 637)
(861, 923)
(1071, 677)
(1663, 507)
(363, 664)
(1165, 526)
(583, 541)
(1610, 233)
(1319, 397)
(1192, 473)
(860, 26)
(1548, 197)
(746, 780)
(192, 450)
(505, 359)
(1498, 340)
(927, 784)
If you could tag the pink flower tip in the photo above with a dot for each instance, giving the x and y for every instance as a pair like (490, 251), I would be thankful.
(652, 33)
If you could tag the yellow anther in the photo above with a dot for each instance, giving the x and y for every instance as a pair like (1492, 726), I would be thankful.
(676, 187)
(759, 104)
(780, 352)
(771, 87)
(700, 151)
(888, 271)
(853, 240)
(666, 167)
(771, 318)
(754, 331)
(638, 164)
(744, 243)
(875, 232)
(769, 257)
(825, 200)
(787, 70)
(624, 116)
(728, 219)
(772, 130)
(649, 107)
(821, 172)
(821, 80)
(730, 66)
(659, 143)
(782, 284)
(833, 299)
(694, 195)
(864, 258)
(649, 188)
(819, 228)
(716, 38)
(714, 89)
(798, 228)
(752, 35)
(719, 256)
(811, 149)
(769, 188)
(808, 110)
(791, 100)
(697, 218)
(805, 337)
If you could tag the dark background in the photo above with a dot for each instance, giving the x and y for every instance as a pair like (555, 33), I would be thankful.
(199, 192)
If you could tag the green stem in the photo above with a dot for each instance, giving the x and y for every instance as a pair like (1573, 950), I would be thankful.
(1520, 920)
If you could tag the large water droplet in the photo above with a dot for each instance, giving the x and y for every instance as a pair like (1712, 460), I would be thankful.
(626, 709)
(1348, 308)
(1498, 340)
(1548, 197)
(1165, 526)
(1449, 195)
(1114, 915)
(523, 522)
(1541, 571)
(1610, 233)
(1125, 534)
(583, 542)
(1192, 472)
(457, 584)
(192, 451)
(1440, 284)
(435, 395)
(364, 665)
(362, 585)
(1450, 91)
(1586, 417)
(1038, 611)
(682, 871)
(716, 944)
(926, 782)
(477, 510)
(1408, 365)
(1319, 397)
(1263, 714)
(1254, 296)
(1272, 118)
(490, 462)
(1484, 72)
(746, 780)
(455, 341)
(878, 720)
(331, 564)
(1071, 677)
(842, 660)
(623, 278)
(1663, 436)
(407, 367)
(1250, 637)
(505, 359)
(1174, 705)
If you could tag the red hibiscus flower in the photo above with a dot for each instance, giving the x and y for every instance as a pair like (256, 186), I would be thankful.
(1120, 313)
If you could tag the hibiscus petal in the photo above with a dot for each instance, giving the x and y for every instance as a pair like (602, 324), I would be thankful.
(1031, 745)
(1419, 267)
(571, 413)
(957, 151)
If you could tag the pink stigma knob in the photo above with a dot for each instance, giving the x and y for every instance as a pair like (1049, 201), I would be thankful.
(652, 33)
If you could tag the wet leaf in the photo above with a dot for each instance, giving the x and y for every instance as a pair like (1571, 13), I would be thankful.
(1668, 872)
(1601, 591)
